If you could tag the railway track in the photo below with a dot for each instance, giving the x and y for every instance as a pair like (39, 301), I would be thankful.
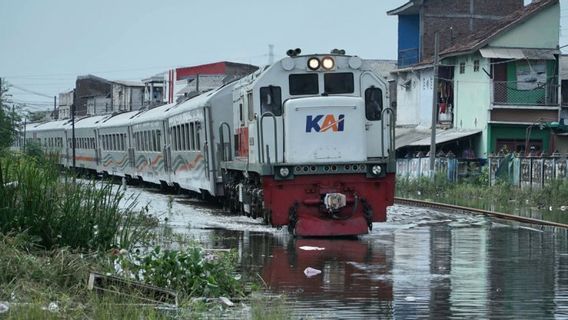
(455, 208)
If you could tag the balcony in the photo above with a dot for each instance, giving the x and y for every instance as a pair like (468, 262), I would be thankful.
(407, 57)
(525, 94)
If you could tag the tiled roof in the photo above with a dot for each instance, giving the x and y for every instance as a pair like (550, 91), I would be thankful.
(480, 39)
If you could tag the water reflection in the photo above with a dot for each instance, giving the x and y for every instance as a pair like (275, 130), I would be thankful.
(419, 264)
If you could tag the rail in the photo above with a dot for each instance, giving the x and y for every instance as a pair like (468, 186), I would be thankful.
(392, 133)
(222, 141)
(260, 136)
(505, 216)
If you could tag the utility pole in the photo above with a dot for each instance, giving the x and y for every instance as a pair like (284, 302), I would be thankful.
(54, 104)
(73, 128)
(434, 107)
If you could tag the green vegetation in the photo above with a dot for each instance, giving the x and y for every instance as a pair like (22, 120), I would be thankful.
(551, 200)
(56, 229)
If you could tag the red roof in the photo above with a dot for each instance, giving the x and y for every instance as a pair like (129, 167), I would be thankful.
(204, 69)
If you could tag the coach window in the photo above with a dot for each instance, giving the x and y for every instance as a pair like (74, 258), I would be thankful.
(197, 137)
(373, 103)
(271, 100)
(192, 135)
(178, 135)
(154, 142)
(306, 83)
(338, 83)
(158, 139)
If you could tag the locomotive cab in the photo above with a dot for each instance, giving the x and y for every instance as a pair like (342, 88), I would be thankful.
(313, 146)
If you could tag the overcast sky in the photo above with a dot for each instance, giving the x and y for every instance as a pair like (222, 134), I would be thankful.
(44, 45)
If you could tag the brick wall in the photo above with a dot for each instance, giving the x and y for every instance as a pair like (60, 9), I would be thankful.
(456, 19)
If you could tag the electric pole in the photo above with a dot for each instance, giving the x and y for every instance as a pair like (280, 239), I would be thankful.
(434, 107)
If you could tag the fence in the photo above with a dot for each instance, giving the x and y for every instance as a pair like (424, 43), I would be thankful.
(452, 168)
(525, 93)
(527, 172)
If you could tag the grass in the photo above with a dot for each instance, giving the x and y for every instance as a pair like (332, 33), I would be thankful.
(55, 230)
(501, 197)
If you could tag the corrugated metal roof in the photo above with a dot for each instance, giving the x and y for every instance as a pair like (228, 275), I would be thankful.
(445, 136)
(514, 53)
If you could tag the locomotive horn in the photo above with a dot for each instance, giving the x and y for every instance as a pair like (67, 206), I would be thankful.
(290, 53)
(298, 51)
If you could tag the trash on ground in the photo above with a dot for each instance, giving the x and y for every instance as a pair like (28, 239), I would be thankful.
(226, 301)
(4, 307)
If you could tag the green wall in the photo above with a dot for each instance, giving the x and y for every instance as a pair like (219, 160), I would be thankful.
(516, 132)
(530, 97)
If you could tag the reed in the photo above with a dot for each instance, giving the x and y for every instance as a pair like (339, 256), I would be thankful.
(62, 211)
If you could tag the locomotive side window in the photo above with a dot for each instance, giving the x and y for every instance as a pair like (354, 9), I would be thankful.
(306, 83)
(271, 100)
(373, 103)
(337, 83)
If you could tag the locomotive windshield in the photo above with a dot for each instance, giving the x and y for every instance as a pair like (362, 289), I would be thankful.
(337, 83)
(306, 83)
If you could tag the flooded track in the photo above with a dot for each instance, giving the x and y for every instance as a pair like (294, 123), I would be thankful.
(421, 263)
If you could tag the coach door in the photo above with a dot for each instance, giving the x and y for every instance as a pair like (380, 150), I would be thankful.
(373, 94)
(167, 150)
(97, 147)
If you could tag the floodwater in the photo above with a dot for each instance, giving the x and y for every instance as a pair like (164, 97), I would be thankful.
(420, 264)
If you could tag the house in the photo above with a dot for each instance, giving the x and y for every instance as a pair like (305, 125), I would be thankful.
(419, 20)
(64, 104)
(127, 95)
(92, 95)
(505, 81)
(181, 83)
(490, 83)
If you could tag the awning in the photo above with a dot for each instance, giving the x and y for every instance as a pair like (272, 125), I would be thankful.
(421, 136)
(406, 136)
(513, 53)
(445, 136)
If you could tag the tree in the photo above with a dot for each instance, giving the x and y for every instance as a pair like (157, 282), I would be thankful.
(8, 120)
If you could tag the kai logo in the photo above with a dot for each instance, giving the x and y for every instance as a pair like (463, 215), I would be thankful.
(329, 123)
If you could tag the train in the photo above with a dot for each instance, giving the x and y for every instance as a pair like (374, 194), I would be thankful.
(306, 143)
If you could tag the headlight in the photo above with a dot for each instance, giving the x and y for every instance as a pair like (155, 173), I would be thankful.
(328, 63)
(313, 64)
(376, 170)
(284, 172)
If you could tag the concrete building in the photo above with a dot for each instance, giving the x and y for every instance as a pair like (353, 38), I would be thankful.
(92, 95)
(64, 104)
(419, 20)
(127, 95)
(489, 85)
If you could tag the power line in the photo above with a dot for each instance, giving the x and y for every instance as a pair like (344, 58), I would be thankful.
(30, 91)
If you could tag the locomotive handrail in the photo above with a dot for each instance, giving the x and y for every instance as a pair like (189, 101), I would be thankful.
(269, 114)
(391, 138)
(222, 140)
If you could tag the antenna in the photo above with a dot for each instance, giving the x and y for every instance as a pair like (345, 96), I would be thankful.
(270, 54)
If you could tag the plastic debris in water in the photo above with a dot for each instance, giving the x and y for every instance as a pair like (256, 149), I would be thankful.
(4, 307)
(563, 208)
(310, 272)
(310, 248)
(410, 299)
